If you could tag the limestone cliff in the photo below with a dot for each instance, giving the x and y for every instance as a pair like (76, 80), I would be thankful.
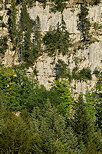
(88, 57)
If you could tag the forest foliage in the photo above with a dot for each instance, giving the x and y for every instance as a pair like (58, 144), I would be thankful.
(34, 120)
(49, 121)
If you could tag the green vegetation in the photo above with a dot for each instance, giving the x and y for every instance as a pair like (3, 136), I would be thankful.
(3, 39)
(84, 74)
(37, 37)
(84, 23)
(25, 35)
(43, 131)
(62, 70)
(84, 127)
(61, 97)
(27, 47)
(49, 121)
(99, 83)
(34, 120)
(59, 5)
(3, 45)
(12, 23)
(26, 26)
(17, 92)
(57, 40)
(94, 2)
(82, 123)
(97, 26)
(31, 47)
(98, 74)
(93, 106)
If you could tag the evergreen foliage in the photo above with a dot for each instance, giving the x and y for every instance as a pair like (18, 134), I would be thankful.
(34, 120)
(94, 103)
(31, 46)
(59, 5)
(82, 125)
(44, 131)
(98, 74)
(48, 121)
(84, 74)
(37, 37)
(3, 39)
(52, 129)
(26, 25)
(83, 22)
(57, 40)
(3, 45)
(17, 92)
(62, 70)
(60, 97)
(12, 24)
(95, 2)
(99, 82)
(31, 2)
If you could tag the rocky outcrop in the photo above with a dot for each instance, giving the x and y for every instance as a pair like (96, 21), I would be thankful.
(90, 56)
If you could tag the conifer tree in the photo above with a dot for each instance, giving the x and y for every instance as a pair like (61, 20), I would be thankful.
(60, 97)
(12, 26)
(51, 126)
(82, 124)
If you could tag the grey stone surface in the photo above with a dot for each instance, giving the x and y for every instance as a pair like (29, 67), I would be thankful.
(89, 57)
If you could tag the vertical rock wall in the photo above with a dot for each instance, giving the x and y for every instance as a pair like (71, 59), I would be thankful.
(88, 57)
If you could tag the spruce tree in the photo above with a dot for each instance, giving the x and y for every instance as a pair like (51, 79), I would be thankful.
(82, 124)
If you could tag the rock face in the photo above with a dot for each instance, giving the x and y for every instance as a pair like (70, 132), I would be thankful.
(90, 56)
(49, 19)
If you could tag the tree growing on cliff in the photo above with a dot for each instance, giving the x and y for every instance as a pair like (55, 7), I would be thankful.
(57, 39)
